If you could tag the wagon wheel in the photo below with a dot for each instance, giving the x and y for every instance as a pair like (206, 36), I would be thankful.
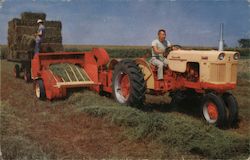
(27, 75)
(232, 107)
(39, 89)
(213, 110)
(17, 71)
(128, 84)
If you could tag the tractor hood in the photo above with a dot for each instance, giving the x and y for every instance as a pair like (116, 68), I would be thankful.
(178, 59)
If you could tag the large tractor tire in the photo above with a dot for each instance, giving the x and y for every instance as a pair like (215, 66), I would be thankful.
(232, 108)
(128, 84)
(17, 71)
(40, 89)
(213, 110)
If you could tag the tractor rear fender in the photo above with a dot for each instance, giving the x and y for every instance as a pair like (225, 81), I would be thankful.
(113, 62)
(147, 72)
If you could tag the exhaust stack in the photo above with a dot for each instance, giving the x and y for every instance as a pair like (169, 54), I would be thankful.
(221, 41)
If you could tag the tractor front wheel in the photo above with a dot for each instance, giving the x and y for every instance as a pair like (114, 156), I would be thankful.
(128, 84)
(213, 110)
(232, 107)
(39, 89)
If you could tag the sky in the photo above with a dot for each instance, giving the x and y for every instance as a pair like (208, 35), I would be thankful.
(136, 22)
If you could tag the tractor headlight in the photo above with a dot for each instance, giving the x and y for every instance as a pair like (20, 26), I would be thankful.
(221, 56)
(236, 56)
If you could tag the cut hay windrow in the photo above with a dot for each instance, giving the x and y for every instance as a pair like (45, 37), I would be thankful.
(69, 72)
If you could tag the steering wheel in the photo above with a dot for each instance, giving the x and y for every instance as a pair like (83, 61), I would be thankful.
(171, 48)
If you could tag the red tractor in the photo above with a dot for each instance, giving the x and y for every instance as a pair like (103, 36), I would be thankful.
(206, 75)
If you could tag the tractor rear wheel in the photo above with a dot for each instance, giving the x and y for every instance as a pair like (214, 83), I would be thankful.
(39, 89)
(213, 110)
(17, 71)
(232, 106)
(128, 84)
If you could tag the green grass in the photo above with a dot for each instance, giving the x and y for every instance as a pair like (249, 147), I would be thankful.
(180, 132)
(14, 143)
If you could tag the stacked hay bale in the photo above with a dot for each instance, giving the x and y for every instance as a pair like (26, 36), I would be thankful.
(21, 39)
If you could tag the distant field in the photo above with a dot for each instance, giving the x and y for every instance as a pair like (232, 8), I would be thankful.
(120, 51)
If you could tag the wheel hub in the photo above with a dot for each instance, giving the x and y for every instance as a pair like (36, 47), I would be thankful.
(212, 111)
(122, 87)
(125, 85)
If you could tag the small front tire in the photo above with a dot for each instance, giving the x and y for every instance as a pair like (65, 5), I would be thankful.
(213, 110)
(232, 106)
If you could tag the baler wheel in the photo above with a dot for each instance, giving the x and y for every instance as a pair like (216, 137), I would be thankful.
(232, 106)
(128, 84)
(17, 71)
(40, 89)
(213, 110)
(27, 75)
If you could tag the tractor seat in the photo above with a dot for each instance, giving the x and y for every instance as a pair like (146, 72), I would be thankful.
(155, 68)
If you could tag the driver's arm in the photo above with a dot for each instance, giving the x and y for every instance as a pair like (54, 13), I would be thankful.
(157, 51)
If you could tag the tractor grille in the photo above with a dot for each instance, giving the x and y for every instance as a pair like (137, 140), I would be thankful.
(234, 73)
(218, 72)
(223, 73)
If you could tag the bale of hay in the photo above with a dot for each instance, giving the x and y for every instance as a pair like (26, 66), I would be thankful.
(56, 24)
(64, 70)
(51, 47)
(28, 42)
(19, 22)
(20, 55)
(52, 39)
(32, 16)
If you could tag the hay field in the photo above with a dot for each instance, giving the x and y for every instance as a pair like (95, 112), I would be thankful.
(81, 125)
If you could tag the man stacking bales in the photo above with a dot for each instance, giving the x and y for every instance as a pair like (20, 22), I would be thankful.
(39, 35)
(22, 43)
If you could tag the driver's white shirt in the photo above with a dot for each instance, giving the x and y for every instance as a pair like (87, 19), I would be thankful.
(160, 46)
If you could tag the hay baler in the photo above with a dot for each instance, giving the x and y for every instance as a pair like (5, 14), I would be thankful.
(203, 75)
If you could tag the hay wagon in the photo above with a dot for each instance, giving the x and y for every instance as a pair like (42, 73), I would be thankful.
(21, 41)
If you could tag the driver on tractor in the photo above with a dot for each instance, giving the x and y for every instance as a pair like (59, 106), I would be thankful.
(159, 46)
